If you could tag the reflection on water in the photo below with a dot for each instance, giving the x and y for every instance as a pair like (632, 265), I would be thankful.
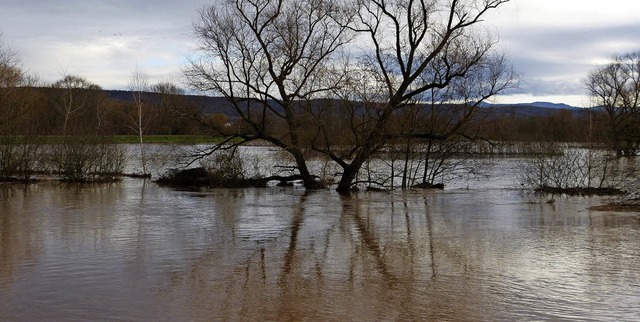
(136, 251)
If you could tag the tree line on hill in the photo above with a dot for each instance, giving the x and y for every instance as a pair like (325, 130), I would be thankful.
(88, 109)
(37, 110)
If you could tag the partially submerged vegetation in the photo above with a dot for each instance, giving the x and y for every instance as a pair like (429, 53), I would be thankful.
(201, 177)
(224, 169)
(546, 167)
(578, 171)
(87, 159)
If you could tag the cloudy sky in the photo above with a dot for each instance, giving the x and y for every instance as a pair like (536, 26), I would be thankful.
(552, 43)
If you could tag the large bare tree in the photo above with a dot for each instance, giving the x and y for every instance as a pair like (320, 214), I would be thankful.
(616, 87)
(416, 48)
(269, 59)
(275, 59)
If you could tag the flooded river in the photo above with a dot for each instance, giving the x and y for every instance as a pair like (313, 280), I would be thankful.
(134, 251)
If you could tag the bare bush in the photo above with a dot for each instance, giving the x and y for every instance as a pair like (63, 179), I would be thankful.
(575, 170)
(18, 160)
(225, 165)
(422, 164)
(87, 159)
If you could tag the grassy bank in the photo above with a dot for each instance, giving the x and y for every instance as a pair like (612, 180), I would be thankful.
(119, 139)
(167, 139)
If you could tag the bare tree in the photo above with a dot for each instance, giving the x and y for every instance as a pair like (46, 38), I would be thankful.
(74, 98)
(270, 59)
(616, 88)
(18, 154)
(176, 111)
(85, 153)
(414, 47)
(274, 61)
(10, 72)
(141, 113)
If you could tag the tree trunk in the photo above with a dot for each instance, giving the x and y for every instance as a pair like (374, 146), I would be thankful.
(309, 181)
(364, 153)
(348, 175)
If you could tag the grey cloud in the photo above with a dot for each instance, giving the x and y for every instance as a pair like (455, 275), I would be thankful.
(101, 39)
(540, 87)
(582, 43)
(554, 61)
(82, 19)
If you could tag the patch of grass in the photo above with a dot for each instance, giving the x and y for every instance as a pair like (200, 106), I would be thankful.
(118, 139)
(167, 139)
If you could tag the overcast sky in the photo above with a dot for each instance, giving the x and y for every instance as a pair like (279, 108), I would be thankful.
(552, 43)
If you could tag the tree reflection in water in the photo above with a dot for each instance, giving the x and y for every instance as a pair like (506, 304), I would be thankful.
(138, 252)
(18, 246)
(372, 259)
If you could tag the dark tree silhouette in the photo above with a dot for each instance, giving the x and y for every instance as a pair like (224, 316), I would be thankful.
(616, 88)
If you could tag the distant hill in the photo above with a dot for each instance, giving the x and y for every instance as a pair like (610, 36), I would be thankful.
(207, 104)
(219, 105)
(560, 106)
(534, 109)
(552, 105)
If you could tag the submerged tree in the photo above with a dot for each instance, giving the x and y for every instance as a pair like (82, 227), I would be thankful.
(415, 48)
(616, 88)
(140, 114)
(279, 64)
(269, 59)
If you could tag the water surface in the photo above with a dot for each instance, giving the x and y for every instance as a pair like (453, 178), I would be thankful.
(133, 251)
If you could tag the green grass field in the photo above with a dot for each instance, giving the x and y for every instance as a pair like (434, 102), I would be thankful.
(119, 139)
(167, 139)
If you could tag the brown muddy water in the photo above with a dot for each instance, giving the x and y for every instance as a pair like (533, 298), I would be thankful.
(132, 251)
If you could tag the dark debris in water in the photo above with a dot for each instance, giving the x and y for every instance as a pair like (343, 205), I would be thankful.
(201, 177)
(426, 185)
(618, 207)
